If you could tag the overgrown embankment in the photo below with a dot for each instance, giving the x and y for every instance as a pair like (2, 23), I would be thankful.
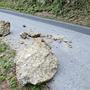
(74, 11)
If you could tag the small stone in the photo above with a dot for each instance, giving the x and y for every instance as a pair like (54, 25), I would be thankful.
(24, 35)
(70, 46)
(58, 37)
(49, 36)
(4, 28)
(21, 42)
(66, 44)
(2, 55)
(24, 26)
(34, 34)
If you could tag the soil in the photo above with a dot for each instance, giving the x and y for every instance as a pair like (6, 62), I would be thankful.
(4, 86)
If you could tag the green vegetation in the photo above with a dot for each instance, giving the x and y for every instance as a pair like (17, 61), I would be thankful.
(7, 64)
(2, 47)
(75, 11)
(36, 87)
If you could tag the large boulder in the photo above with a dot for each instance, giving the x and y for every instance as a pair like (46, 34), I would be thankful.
(35, 64)
(4, 28)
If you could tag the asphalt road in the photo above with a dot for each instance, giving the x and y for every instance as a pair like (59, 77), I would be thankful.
(74, 63)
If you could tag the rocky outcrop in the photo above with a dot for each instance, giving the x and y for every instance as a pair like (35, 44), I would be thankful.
(4, 28)
(35, 64)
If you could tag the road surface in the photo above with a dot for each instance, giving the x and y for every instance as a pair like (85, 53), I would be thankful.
(74, 63)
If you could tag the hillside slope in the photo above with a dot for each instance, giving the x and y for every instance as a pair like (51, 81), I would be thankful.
(73, 11)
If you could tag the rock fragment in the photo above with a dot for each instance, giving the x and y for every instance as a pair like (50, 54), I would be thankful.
(24, 26)
(50, 38)
(4, 28)
(26, 35)
(34, 34)
(35, 64)
(58, 37)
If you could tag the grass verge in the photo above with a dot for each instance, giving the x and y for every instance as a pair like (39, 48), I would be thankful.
(7, 66)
